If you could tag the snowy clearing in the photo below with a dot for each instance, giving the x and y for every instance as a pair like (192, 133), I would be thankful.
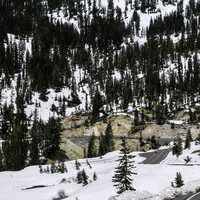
(153, 181)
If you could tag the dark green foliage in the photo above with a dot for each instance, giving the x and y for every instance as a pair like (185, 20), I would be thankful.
(60, 49)
(15, 148)
(1, 161)
(108, 139)
(40, 169)
(187, 159)
(97, 104)
(154, 142)
(52, 137)
(94, 177)
(177, 148)
(178, 180)
(85, 178)
(92, 148)
(123, 174)
(53, 168)
(61, 167)
(77, 165)
(79, 177)
(198, 138)
(35, 133)
(102, 148)
(160, 116)
(188, 140)
(43, 96)
(88, 163)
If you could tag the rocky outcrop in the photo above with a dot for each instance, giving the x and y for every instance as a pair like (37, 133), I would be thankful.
(166, 131)
(78, 130)
(79, 126)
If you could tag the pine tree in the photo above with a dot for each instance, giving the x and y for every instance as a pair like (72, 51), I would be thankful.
(188, 140)
(177, 148)
(154, 142)
(94, 176)
(53, 168)
(16, 147)
(92, 149)
(143, 6)
(123, 173)
(102, 148)
(79, 177)
(108, 139)
(34, 148)
(97, 103)
(178, 180)
(85, 178)
(1, 161)
(52, 137)
(77, 165)
(198, 138)
(62, 167)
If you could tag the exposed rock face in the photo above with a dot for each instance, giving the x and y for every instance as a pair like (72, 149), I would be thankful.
(78, 126)
(71, 149)
(182, 115)
(77, 131)
(167, 132)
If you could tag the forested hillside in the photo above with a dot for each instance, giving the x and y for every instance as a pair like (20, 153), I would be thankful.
(59, 57)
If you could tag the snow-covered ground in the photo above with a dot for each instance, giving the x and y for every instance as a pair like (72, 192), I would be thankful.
(193, 153)
(152, 182)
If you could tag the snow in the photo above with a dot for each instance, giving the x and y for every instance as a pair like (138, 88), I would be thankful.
(193, 153)
(134, 195)
(177, 122)
(140, 76)
(153, 182)
(44, 112)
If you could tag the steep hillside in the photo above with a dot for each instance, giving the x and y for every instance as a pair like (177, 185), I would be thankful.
(60, 58)
(71, 54)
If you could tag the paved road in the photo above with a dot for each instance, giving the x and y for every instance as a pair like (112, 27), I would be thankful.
(183, 197)
(155, 157)
(190, 196)
(194, 197)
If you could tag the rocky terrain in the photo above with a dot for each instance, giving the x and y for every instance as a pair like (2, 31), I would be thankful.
(77, 130)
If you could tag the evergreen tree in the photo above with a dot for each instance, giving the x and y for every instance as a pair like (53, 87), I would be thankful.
(1, 161)
(79, 177)
(34, 148)
(52, 137)
(85, 178)
(188, 140)
(94, 177)
(77, 165)
(154, 142)
(177, 148)
(108, 139)
(102, 148)
(97, 104)
(160, 114)
(15, 148)
(178, 180)
(92, 149)
(123, 173)
(198, 139)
